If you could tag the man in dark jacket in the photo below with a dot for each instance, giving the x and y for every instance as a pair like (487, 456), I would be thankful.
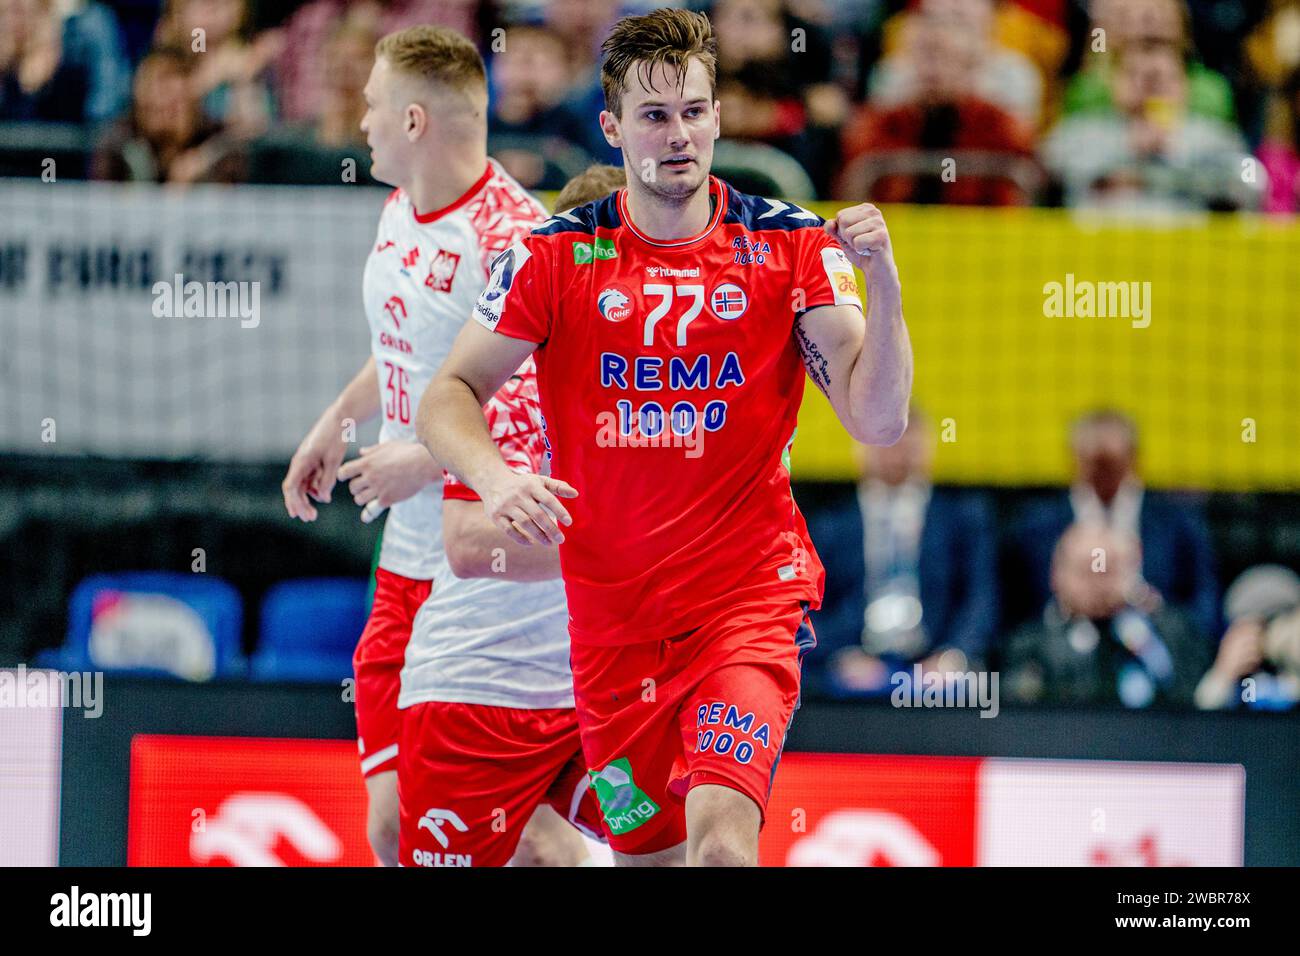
(1177, 560)
(1105, 636)
(911, 573)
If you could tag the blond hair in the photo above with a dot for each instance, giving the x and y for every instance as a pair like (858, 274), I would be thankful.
(595, 182)
(665, 37)
(437, 55)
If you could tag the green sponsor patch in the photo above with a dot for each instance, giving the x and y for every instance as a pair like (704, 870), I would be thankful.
(624, 804)
(785, 455)
(585, 253)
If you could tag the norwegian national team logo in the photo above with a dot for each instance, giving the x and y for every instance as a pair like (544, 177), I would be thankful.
(442, 270)
(614, 303)
(729, 301)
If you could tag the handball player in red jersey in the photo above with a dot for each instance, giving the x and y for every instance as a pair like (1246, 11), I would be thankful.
(672, 324)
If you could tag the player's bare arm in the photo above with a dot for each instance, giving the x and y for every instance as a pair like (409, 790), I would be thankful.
(314, 465)
(450, 423)
(389, 472)
(865, 369)
(477, 548)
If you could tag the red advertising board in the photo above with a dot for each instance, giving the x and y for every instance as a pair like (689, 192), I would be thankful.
(855, 810)
(241, 801)
(245, 801)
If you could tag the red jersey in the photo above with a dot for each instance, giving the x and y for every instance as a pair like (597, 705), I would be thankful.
(670, 385)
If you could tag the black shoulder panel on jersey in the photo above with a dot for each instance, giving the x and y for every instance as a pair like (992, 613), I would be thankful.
(755, 212)
(601, 213)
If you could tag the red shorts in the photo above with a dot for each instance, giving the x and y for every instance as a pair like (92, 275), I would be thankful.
(710, 706)
(469, 777)
(378, 660)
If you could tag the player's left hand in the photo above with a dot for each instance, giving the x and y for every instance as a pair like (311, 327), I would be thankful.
(389, 472)
(861, 232)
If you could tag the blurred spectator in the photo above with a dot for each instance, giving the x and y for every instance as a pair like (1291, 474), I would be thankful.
(911, 572)
(1262, 644)
(945, 116)
(166, 137)
(582, 26)
(1105, 636)
(1280, 152)
(530, 80)
(301, 63)
(1003, 77)
(229, 68)
(61, 62)
(1177, 561)
(1273, 47)
(1150, 152)
(1144, 24)
(350, 52)
(1040, 30)
(774, 72)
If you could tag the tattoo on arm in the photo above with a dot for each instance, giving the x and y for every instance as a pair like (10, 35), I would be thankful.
(818, 366)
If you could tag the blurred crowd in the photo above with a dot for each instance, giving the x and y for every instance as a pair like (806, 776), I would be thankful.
(1136, 104)
(1104, 593)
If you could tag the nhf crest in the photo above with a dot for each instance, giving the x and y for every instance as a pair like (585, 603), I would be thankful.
(614, 303)
(442, 270)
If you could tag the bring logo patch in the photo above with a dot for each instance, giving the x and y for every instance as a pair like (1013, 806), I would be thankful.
(624, 804)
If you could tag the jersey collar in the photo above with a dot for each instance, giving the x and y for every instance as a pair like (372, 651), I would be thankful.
(425, 218)
(716, 189)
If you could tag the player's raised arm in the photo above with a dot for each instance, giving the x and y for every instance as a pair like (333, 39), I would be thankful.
(450, 424)
(865, 370)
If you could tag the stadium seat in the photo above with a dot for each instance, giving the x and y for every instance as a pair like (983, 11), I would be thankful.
(309, 629)
(25, 149)
(153, 624)
(289, 157)
(560, 159)
(861, 175)
(762, 170)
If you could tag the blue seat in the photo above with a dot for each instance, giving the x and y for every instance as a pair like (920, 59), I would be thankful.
(153, 624)
(309, 629)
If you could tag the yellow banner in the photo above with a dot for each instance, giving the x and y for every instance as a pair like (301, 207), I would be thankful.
(1023, 319)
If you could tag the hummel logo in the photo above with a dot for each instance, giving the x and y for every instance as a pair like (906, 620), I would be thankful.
(432, 820)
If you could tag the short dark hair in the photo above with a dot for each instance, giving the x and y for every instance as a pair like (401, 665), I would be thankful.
(665, 36)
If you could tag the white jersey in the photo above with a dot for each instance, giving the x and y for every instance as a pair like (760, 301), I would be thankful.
(488, 640)
(421, 283)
